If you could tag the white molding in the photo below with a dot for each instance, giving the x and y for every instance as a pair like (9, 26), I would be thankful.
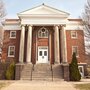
(9, 51)
(43, 21)
(81, 63)
(74, 27)
(12, 27)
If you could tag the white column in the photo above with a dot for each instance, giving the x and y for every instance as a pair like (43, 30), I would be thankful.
(22, 39)
(29, 44)
(56, 42)
(63, 45)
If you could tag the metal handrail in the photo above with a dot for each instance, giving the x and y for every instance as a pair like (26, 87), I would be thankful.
(52, 72)
(32, 71)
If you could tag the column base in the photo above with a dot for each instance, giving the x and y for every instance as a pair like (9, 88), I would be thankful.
(19, 68)
(56, 62)
(66, 71)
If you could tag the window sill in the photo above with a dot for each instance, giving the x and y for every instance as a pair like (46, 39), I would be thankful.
(12, 37)
(10, 56)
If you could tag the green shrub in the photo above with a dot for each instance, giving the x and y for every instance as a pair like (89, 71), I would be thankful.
(3, 67)
(10, 73)
(74, 71)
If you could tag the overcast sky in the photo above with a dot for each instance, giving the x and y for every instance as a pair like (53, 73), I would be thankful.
(74, 7)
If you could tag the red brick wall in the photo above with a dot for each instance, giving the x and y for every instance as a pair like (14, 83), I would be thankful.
(7, 41)
(79, 41)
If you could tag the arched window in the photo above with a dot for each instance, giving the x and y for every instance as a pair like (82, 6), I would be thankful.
(43, 33)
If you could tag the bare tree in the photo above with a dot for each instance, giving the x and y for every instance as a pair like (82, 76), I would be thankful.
(2, 15)
(2, 9)
(86, 22)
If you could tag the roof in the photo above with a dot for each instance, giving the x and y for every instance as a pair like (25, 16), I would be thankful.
(43, 6)
(75, 19)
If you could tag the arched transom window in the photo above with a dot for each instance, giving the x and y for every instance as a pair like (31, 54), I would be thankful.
(43, 33)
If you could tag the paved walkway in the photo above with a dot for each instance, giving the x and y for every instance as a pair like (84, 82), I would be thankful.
(40, 85)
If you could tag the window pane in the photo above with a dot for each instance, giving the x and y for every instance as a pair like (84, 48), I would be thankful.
(73, 34)
(43, 33)
(45, 53)
(11, 51)
(13, 34)
(11, 48)
(40, 53)
(75, 49)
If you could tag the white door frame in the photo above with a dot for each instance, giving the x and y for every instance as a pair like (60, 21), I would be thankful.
(82, 73)
(42, 47)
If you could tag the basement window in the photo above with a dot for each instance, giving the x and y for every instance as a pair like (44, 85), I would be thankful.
(12, 34)
(11, 51)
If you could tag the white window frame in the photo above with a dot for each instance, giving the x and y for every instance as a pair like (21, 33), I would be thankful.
(77, 55)
(42, 32)
(9, 51)
(11, 34)
(72, 35)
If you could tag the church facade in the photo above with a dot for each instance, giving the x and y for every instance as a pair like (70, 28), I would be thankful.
(43, 35)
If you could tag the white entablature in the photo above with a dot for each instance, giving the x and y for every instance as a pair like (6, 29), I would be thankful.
(43, 14)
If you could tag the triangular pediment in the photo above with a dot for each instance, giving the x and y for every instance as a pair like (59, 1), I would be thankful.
(43, 10)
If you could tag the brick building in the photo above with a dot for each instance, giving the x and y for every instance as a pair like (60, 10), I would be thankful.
(43, 35)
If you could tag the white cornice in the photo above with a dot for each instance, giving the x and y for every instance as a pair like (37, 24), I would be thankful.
(42, 16)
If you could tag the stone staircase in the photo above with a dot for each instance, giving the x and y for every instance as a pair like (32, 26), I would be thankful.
(42, 72)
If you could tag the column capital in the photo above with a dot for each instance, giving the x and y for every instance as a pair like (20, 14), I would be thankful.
(23, 25)
(29, 25)
(63, 25)
(56, 25)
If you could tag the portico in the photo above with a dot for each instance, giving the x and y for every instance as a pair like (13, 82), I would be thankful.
(46, 49)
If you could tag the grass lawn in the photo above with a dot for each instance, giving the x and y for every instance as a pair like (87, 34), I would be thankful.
(2, 85)
(83, 86)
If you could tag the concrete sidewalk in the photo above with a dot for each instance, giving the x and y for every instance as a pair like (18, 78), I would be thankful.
(40, 85)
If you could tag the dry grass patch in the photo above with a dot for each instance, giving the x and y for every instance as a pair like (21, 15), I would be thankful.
(83, 86)
(4, 84)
